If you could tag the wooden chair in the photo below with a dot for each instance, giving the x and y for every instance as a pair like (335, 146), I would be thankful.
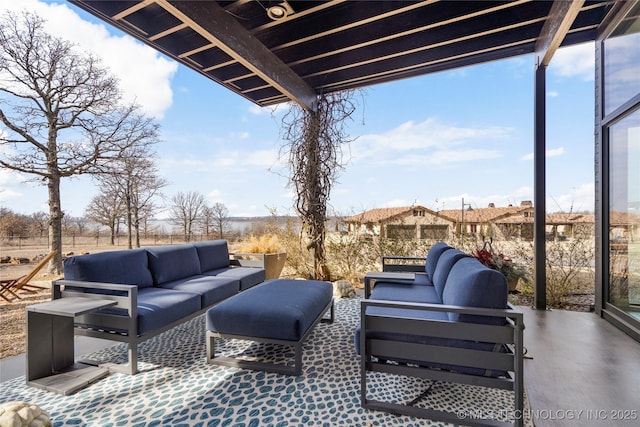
(9, 288)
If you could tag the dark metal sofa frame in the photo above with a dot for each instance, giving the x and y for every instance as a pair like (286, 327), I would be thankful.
(121, 328)
(375, 352)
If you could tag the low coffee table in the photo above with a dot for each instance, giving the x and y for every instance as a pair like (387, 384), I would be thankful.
(278, 311)
(50, 346)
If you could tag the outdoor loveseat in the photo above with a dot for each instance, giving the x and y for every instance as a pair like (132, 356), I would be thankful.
(450, 322)
(155, 289)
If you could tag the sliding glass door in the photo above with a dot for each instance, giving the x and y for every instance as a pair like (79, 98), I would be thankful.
(624, 214)
(620, 121)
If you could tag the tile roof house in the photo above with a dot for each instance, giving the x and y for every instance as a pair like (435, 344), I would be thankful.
(497, 222)
(406, 222)
(490, 221)
(423, 223)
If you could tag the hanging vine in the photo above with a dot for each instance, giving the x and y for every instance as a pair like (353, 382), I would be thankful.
(313, 143)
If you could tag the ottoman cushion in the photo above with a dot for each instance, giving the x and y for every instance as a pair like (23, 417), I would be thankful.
(277, 309)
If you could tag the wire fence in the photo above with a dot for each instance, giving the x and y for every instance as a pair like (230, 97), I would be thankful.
(98, 240)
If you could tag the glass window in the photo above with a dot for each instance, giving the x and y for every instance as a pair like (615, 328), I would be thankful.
(622, 62)
(624, 214)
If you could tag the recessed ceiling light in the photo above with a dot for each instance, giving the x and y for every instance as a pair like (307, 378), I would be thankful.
(279, 11)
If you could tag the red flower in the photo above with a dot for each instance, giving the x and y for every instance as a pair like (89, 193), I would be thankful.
(500, 263)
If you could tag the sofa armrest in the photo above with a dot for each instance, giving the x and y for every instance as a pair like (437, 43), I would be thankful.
(510, 313)
(391, 329)
(403, 263)
(126, 297)
(402, 278)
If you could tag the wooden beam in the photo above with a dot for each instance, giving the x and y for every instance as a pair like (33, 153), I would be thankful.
(556, 27)
(216, 25)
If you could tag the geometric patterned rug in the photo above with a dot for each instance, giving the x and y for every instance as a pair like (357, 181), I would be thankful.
(176, 387)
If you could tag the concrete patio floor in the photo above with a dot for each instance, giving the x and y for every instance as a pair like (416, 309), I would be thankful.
(583, 370)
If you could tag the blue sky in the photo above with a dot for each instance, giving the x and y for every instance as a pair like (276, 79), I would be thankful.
(429, 140)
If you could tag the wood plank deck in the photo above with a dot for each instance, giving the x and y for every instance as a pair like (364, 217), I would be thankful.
(584, 371)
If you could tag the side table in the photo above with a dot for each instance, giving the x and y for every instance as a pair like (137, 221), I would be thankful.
(371, 277)
(50, 345)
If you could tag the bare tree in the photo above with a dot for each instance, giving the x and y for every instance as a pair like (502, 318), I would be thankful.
(68, 224)
(49, 89)
(134, 177)
(313, 142)
(106, 209)
(220, 217)
(206, 221)
(185, 211)
(81, 224)
(12, 224)
(38, 225)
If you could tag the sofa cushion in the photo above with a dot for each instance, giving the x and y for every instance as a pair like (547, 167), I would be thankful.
(471, 284)
(446, 260)
(433, 256)
(407, 292)
(248, 276)
(128, 267)
(213, 254)
(158, 308)
(168, 263)
(422, 279)
(210, 288)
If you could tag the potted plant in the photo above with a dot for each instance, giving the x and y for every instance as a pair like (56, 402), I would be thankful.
(264, 251)
(498, 261)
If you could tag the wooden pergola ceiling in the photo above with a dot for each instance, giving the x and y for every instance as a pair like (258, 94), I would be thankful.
(325, 46)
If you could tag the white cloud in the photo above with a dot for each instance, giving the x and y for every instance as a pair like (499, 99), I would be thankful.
(216, 196)
(145, 76)
(552, 152)
(555, 152)
(257, 110)
(428, 141)
(580, 199)
(232, 163)
(444, 157)
(553, 94)
(574, 61)
(266, 158)
(8, 180)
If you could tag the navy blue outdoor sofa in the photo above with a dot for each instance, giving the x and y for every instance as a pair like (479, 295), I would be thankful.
(449, 322)
(156, 288)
